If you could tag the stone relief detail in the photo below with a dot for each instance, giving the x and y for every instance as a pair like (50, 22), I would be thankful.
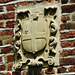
(35, 36)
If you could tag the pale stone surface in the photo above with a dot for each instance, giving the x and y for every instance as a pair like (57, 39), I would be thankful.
(37, 35)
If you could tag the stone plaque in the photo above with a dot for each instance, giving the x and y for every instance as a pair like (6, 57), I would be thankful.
(36, 34)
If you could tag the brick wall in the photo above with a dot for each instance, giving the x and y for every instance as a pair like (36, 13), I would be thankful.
(67, 37)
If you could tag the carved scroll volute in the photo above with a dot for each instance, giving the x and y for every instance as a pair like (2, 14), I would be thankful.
(35, 33)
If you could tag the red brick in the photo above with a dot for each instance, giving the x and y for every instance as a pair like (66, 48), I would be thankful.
(72, 1)
(1, 25)
(64, 1)
(16, 73)
(7, 16)
(50, 71)
(65, 18)
(10, 24)
(70, 34)
(72, 68)
(10, 66)
(1, 8)
(10, 15)
(23, 3)
(67, 26)
(67, 53)
(7, 49)
(8, 73)
(68, 44)
(10, 58)
(68, 8)
(67, 61)
(61, 70)
(5, 1)
(0, 59)
(7, 32)
(25, 73)
(2, 67)
(10, 7)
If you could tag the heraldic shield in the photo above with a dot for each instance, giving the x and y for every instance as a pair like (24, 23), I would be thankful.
(34, 35)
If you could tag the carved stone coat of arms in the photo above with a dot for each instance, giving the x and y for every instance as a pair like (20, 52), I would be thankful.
(36, 35)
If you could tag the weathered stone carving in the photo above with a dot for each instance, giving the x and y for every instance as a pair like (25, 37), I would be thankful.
(36, 35)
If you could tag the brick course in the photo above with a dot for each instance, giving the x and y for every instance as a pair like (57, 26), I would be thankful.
(67, 61)
(10, 7)
(68, 44)
(68, 26)
(70, 34)
(10, 24)
(68, 8)
(67, 53)
(7, 16)
(7, 49)
(61, 70)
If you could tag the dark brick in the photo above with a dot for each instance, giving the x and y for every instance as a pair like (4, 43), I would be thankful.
(7, 49)
(61, 70)
(1, 1)
(67, 26)
(68, 44)
(10, 24)
(70, 34)
(0, 42)
(72, 1)
(10, 58)
(7, 16)
(68, 8)
(16, 73)
(2, 67)
(57, 0)
(67, 53)
(0, 59)
(64, 1)
(50, 71)
(67, 61)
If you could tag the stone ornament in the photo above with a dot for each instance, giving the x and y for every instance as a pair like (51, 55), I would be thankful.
(36, 35)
